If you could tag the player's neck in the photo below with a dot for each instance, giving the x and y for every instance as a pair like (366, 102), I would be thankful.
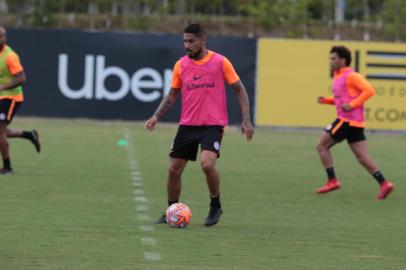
(202, 54)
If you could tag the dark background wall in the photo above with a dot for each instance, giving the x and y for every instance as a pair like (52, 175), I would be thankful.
(144, 62)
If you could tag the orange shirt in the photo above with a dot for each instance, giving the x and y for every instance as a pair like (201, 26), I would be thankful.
(230, 75)
(13, 62)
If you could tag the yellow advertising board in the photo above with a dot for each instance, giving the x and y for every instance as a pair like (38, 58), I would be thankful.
(293, 73)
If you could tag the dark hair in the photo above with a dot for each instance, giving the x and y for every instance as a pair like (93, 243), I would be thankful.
(196, 29)
(342, 52)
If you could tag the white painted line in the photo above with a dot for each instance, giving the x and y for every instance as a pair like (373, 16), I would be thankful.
(137, 184)
(140, 199)
(148, 241)
(140, 202)
(152, 256)
(146, 228)
(142, 208)
(138, 192)
(144, 217)
(137, 178)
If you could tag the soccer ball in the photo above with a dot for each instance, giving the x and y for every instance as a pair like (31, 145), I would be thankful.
(178, 215)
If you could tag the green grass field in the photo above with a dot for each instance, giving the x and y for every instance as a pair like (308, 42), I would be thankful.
(73, 206)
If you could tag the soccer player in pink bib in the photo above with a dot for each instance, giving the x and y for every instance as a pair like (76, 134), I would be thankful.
(199, 78)
(351, 91)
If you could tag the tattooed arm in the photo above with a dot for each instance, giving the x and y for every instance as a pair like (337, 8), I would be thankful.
(242, 97)
(166, 103)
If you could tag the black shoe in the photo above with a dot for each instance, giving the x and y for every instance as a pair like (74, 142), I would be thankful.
(161, 220)
(213, 217)
(6, 171)
(35, 140)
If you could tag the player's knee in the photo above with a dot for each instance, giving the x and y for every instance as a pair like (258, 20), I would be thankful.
(207, 166)
(4, 143)
(175, 171)
(320, 147)
(3, 138)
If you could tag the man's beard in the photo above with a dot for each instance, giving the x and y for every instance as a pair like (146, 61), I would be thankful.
(194, 55)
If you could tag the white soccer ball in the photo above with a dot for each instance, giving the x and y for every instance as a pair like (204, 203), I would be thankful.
(178, 215)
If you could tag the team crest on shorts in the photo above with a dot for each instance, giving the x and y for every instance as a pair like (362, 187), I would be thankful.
(2, 116)
(216, 145)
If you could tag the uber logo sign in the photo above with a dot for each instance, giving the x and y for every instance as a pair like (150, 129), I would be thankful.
(145, 84)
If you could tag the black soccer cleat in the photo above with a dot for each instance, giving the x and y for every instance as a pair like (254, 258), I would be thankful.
(161, 220)
(213, 217)
(35, 140)
(6, 171)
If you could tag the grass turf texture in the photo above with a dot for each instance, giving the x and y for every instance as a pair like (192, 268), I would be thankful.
(72, 206)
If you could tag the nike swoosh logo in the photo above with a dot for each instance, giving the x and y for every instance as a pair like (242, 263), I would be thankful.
(195, 78)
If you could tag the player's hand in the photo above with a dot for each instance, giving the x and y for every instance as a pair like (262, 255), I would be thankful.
(150, 124)
(346, 107)
(320, 100)
(247, 130)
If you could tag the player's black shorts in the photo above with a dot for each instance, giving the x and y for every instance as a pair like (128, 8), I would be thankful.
(188, 138)
(8, 107)
(340, 130)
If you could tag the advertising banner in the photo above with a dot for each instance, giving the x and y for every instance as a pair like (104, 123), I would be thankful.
(293, 73)
(112, 75)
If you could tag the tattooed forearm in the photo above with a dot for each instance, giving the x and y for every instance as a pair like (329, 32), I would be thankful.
(166, 103)
(243, 100)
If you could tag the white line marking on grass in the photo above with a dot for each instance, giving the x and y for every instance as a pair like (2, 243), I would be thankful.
(143, 217)
(138, 192)
(146, 228)
(137, 178)
(140, 201)
(137, 184)
(152, 256)
(148, 241)
(141, 208)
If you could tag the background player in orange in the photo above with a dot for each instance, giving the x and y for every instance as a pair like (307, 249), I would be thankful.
(12, 76)
(199, 78)
(351, 91)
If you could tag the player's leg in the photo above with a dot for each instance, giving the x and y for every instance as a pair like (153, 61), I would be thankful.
(184, 148)
(174, 183)
(32, 136)
(208, 165)
(7, 109)
(323, 149)
(4, 149)
(210, 145)
(360, 150)
(333, 134)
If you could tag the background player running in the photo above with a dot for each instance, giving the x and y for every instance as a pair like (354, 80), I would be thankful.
(351, 91)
